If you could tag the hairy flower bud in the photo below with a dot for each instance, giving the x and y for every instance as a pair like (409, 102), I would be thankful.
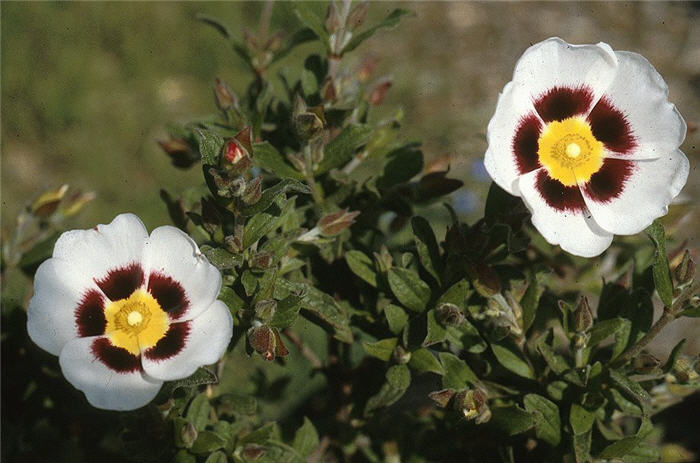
(234, 152)
(335, 222)
(253, 191)
(401, 355)
(47, 203)
(357, 16)
(188, 434)
(262, 260)
(75, 202)
(224, 96)
(583, 317)
(449, 314)
(379, 91)
(267, 342)
(442, 397)
(685, 271)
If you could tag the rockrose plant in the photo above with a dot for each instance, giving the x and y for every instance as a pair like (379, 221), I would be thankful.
(301, 308)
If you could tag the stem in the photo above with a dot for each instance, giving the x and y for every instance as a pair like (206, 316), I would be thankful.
(305, 350)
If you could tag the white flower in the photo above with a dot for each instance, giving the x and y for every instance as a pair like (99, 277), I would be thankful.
(587, 137)
(125, 311)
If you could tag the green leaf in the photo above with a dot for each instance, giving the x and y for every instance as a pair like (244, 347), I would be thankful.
(409, 289)
(625, 446)
(530, 301)
(343, 147)
(216, 457)
(673, 356)
(306, 438)
(436, 332)
(511, 420)
(200, 377)
(261, 435)
(396, 317)
(210, 146)
(299, 37)
(270, 195)
(581, 420)
(508, 355)
(547, 421)
(220, 28)
(398, 378)
(457, 373)
(231, 299)
(362, 266)
(556, 362)
(632, 389)
(311, 20)
(402, 164)
(287, 311)
(266, 157)
(221, 258)
(582, 446)
(604, 329)
(198, 412)
(660, 270)
(423, 361)
(381, 349)
(183, 456)
(239, 404)
(391, 21)
(257, 227)
(457, 294)
(427, 246)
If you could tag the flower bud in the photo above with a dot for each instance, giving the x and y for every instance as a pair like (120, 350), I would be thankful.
(262, 260)
(379, 91)
(473, 404)
(357, 16)
(332, 21)
(253, 191)
(263, 340)
(188, 434)
(449, 314)
(685, 271)
(233, 244)
(47, 203)
(252, 452)
(310, 123)
(442, 397)
(583, 318)
(181, 155)
(76, 202)
(484, 279)
(401, 355)
(335, 222)
(224, 96)
(234, 152)
(265, 309)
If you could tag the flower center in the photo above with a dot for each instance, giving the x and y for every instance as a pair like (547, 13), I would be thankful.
(136, 323)
(569, 152)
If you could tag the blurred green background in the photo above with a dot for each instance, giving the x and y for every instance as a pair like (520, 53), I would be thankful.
(88, 88)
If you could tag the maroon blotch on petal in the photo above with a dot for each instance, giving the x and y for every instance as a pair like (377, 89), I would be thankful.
(559, 103)
(610, 126)
(90, 315)
(558, 196)
(609, 182)
(169, 294)
(171, 344)
(525, 144)
(121, 282)
(115, 358)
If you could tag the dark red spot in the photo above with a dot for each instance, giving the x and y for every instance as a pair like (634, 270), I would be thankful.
(169, 294)
(170, 344)
(90, 315)
(525, 144)
(610, 126)
(559, 103)
(115, 358)
(558, 196)
(121, 282)
(609, 182)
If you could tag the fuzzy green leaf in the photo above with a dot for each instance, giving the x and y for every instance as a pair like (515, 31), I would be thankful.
(511, 420)
(409, 289)
(529, 302)
(457, 373)
(257, 227)
(305, 13)
(216, 457)
(423, 361)
(198, 412)
(381, 349)
(547, 421)
(266, 157)
(436, 332)
(396, 316)
(343, 147)
(286, 312)
(270, 195)
(210, 146)
(207, 441)
(392, 20)
(512, 359)
(398, 378)
(306, 438)
(581, 420)
(427, 246)
(660, 270)
(362, 266)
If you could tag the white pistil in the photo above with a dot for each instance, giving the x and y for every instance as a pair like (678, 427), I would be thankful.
(134, 318)
(573, 150)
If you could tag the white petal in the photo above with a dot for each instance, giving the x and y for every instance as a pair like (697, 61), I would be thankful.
(499, 159)
(554, 62)
(58, 289)
(209, 335)
(576, 233)
(105, 388)
(171, 252)
(640, 92)
(646, 195)
(94, 252)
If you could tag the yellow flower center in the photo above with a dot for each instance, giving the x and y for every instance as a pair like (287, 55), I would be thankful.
(569, 151)
(136, 323)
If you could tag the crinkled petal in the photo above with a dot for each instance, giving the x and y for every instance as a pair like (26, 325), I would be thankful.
(555, 63)
(574, 230)
(502, 155)
(179, 276)
(96, 252)
(649, 189)
(202, 341)
(103, 387)
(641, 94)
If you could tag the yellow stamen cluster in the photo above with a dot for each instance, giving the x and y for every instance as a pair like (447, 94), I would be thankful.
(569, 152)
(136, 323)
